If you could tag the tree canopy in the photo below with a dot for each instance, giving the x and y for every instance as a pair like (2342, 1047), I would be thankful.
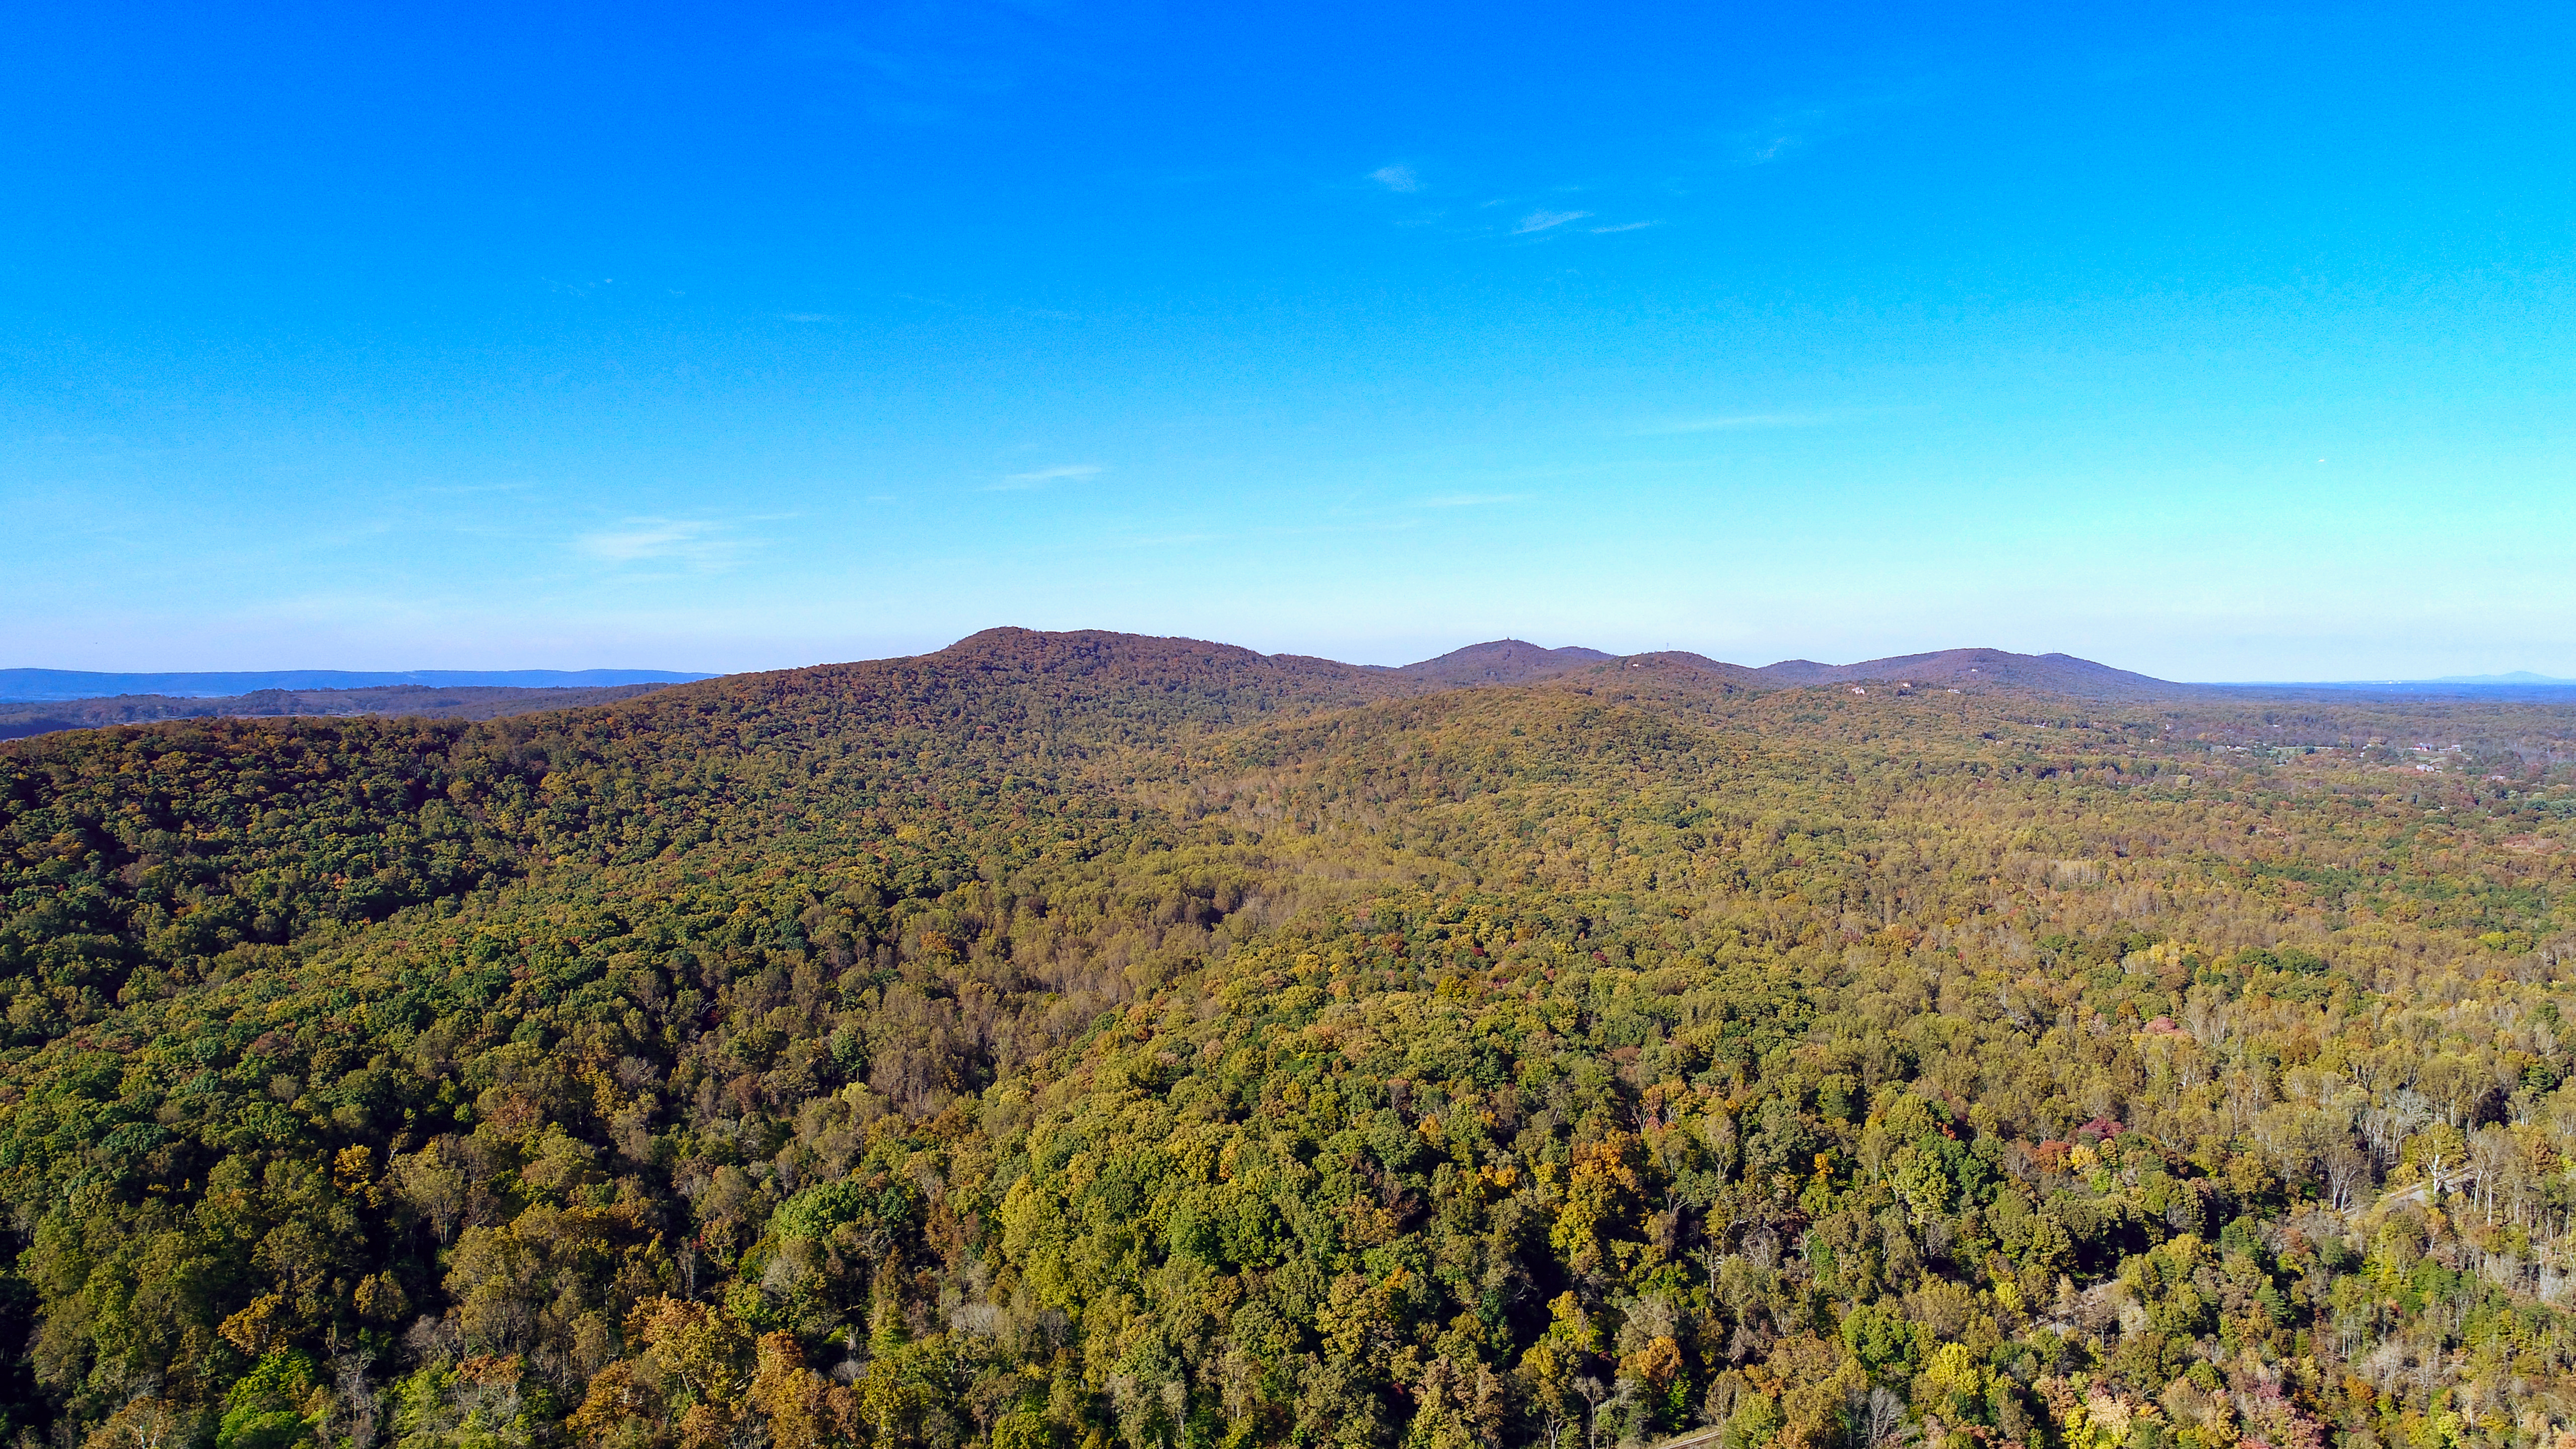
(1077, 1041)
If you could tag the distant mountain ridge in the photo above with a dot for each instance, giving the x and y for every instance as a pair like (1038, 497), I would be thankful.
(53, 699)
(1515, 661)
(1500, 662)
(2056, 673)
(29, 686)
(20, 719)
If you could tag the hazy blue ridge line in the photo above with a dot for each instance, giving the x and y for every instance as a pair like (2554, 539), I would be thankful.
(36, 686)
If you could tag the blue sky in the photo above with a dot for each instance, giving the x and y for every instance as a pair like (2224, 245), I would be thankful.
(2213, 342)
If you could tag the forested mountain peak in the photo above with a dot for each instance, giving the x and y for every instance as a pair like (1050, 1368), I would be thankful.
(1085, 683)
(1082, 652)
(1799, 671)
(1500, 661)
(1668, 669)
(2055, 673)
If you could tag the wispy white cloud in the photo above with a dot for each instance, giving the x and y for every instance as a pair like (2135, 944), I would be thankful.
(1040, 478)
(695, 544)
(1781, 136)
(805, 317)
(1785, 135)
(1624, 226)
(1545, 220)
(1396, 178)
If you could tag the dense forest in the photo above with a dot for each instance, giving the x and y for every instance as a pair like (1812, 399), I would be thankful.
(1090, 1042)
